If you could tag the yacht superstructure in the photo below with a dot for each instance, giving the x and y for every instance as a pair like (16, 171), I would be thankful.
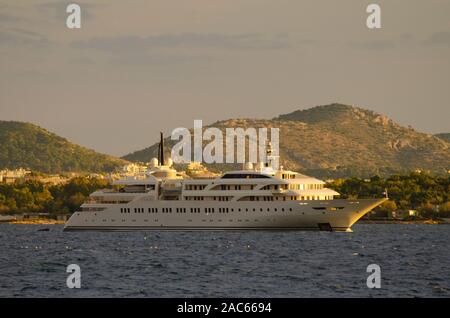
(255, 198)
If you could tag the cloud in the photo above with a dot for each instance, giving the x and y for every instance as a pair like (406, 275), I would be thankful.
(373, 45)
(439, 38)
(159, 59)
(21, 37)
(8, 18)
(187, 40)
(26, 32)
(82, 61)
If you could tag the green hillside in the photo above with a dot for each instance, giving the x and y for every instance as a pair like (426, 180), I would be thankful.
(340, 140)
(444, 136)
(30, 146)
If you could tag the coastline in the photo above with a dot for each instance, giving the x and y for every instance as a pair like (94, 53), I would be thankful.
(35, 221)
(43, 221)
(427, 221)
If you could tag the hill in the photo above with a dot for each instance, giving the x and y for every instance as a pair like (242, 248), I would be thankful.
(340, 140)
(30, 146)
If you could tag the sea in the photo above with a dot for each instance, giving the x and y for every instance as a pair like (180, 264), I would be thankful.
(413, 260)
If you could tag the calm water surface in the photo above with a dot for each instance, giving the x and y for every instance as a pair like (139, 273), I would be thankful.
(414, 261)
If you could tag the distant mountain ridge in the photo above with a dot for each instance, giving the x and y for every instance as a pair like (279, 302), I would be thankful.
(30, 146)
(444, 136)
(342, 140)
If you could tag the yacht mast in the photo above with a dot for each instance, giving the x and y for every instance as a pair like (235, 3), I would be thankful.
(161, 150)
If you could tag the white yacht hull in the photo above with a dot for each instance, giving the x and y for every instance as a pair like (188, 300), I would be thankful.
(329, 215)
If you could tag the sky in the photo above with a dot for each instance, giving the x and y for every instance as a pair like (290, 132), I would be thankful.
(139, 67)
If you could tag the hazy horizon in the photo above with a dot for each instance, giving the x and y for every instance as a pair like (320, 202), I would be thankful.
(134, 70)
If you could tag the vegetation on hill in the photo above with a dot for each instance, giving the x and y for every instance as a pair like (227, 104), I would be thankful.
(419, 191)
(30, 146)
(426, 193)
(444, 136)
(33, 196)
(342, 141)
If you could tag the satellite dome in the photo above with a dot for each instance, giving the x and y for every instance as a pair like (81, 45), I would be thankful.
(153, 162)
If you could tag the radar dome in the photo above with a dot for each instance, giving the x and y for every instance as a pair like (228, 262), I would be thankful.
(153, 162)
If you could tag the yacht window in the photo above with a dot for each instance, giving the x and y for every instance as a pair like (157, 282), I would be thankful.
(244, 176)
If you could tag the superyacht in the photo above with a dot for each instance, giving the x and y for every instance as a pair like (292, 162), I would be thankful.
(258, 197)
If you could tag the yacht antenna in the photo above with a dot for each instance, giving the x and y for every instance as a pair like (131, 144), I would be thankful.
(271, 159)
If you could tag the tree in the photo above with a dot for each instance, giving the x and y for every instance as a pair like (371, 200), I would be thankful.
(444, 209)
(388, 206)
(427, 210)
